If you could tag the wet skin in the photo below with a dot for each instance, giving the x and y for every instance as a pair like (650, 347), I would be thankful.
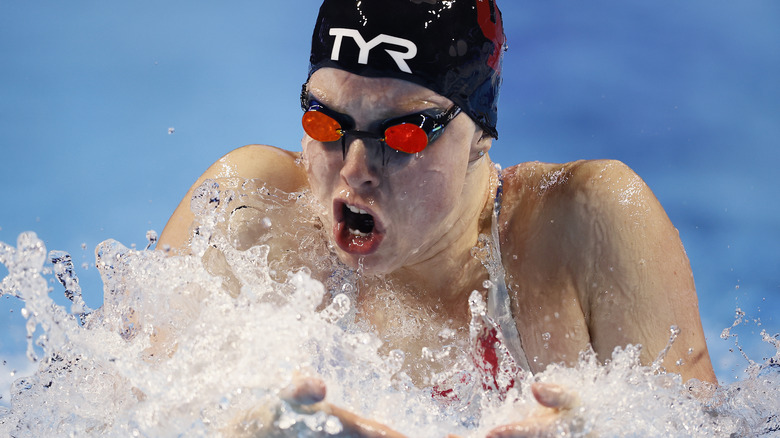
(590, 255)
(425, 207)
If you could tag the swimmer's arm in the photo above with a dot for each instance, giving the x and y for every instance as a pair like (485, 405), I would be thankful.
(637, 281)
(269, 164)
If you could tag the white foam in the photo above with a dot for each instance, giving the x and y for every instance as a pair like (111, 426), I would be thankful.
(202, 345)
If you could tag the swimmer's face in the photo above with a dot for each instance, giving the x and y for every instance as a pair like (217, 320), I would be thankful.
(388, 209)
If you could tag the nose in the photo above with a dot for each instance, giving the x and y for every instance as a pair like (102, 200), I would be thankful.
(361, 168)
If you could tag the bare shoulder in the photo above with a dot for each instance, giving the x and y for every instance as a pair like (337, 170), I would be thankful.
(592, 232)
(275, 166)
(580, 193)
(271, 165)
(600, 178)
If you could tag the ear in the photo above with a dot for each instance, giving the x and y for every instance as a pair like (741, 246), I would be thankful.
(480, 145)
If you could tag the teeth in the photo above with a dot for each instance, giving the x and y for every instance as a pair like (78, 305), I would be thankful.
(357, 233)
(354, 209)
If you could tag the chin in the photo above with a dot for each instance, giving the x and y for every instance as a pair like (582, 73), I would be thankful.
(373, 264)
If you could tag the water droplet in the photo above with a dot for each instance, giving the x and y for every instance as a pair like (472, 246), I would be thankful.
(447, 334)
(151, 237)
(487, 284)
(333, 426)
(546, 336)
(267, 222)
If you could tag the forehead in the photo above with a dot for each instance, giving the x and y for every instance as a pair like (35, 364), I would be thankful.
(342, 90)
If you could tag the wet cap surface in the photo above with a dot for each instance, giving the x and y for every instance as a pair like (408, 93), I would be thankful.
(454, 48)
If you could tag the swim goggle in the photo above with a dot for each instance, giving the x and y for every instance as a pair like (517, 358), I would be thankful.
(410, 133)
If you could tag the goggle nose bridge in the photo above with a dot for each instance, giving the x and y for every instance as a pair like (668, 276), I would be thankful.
(362, 134)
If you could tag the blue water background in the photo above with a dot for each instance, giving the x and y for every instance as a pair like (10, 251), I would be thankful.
(687, 93)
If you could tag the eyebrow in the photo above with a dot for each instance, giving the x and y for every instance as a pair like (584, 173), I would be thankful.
(435, 112)
(408, 107)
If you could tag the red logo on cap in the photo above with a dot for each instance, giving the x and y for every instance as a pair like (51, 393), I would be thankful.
(490, 22)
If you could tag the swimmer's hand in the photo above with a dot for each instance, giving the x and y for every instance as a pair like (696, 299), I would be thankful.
(556, 404)
(307, 394)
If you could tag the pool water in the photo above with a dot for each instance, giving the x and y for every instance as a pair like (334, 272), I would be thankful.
(203, 345)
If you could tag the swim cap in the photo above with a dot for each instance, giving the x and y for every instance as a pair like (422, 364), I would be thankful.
(452, 47)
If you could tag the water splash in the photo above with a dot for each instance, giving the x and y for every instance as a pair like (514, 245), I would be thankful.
(204, 344)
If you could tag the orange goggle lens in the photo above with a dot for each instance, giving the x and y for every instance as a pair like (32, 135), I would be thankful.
(406, 137)
(321, 127)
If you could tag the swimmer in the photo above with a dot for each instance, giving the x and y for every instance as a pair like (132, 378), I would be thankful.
(399, 115)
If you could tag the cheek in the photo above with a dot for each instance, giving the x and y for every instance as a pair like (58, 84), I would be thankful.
(321, 167)
(444, 185)
(430, 196)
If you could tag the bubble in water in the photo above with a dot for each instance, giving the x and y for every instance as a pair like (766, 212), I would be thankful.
(546, 336)
(447, 334)
(395, 361)
(476, 303)
(338, 308)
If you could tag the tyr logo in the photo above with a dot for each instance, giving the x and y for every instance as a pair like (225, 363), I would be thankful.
(365, 47)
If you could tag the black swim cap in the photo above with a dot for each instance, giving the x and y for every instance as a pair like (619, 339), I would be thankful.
(453, 47)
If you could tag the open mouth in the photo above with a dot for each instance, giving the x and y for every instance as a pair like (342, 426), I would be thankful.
(357, 221)
(355, 229)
